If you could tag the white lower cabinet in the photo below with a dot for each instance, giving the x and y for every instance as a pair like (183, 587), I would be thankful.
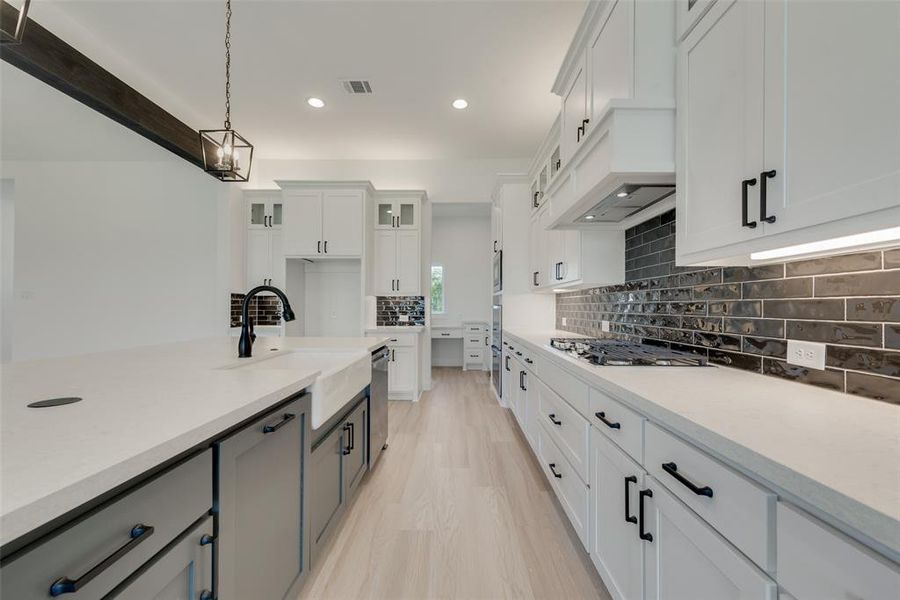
(686, 559)
(183, 571)
(571, 491)
(815, 562)
(615, 547)
(402, 370)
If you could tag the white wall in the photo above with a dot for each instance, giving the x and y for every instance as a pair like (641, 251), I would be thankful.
(462, 245)
(113, 255)
(117, 242)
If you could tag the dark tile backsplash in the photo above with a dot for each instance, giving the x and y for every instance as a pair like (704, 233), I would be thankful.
(264, 310)
(742, 316)
(389, 309)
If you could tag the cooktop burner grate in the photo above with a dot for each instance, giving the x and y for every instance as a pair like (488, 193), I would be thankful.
(622, 353)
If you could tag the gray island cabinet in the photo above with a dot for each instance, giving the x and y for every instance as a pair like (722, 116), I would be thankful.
(261, 513)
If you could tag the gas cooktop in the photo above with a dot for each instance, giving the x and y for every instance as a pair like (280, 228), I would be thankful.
(600, 351)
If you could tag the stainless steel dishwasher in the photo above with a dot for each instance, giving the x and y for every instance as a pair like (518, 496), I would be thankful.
(378, 404)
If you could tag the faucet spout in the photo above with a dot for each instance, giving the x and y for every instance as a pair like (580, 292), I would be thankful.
(245, 344)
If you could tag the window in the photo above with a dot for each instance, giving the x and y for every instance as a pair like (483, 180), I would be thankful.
(437, 290)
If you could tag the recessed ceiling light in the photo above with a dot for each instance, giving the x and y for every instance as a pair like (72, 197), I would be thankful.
(589, 217)
(460, 103)
(316, 102)
(622, 194)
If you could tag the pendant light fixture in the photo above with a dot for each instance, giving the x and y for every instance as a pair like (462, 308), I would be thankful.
(226, 154)
(14, 35)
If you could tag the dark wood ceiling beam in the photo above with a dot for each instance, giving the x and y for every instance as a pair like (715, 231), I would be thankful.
(56, 63)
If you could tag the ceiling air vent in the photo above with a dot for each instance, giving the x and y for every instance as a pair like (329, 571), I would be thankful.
(357, 86)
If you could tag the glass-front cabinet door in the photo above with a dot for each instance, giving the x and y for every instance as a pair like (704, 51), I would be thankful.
(264, 211)
(397, 214)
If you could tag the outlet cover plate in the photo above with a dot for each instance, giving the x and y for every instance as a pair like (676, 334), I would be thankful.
(564, 321)
(806, 354)
(604, 326)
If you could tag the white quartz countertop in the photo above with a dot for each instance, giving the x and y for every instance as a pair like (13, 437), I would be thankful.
(396, 329)
(831, 452)
(140, 408)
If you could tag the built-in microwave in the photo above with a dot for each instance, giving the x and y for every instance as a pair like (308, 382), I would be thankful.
(498, 271)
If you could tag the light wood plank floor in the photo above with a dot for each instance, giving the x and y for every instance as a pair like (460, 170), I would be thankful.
(457, 507)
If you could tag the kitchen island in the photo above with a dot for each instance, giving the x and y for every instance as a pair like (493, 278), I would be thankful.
(142, 411)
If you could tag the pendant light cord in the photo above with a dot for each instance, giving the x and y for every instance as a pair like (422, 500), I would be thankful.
(227, 64)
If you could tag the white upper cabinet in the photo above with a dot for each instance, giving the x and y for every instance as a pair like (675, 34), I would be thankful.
(263, 209)
(720, 111)
(799, 100)
(303, 213)
(342, 223)
(396, 264)
(610, 57)
(575, 112)
(397, 213)
(831, 66)
(323, 223)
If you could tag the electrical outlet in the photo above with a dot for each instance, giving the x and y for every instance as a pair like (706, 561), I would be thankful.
(564, 321)
(604, 326)
(806, 354)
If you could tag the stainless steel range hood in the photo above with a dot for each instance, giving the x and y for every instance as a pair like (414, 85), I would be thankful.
(626, 200)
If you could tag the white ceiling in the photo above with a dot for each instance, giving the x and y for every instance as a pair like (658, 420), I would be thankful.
(501, 55)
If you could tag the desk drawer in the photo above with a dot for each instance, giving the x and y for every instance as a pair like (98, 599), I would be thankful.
(165, 506)
(446, 332)
(475, 340)
(741, 510)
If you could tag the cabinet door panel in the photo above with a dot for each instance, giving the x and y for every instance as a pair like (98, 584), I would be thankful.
(687, 559)
(611, 58)
(570, 270)
(260, 540)
(616, 549)
(302, 226)
(385, 263)
(408, 214)
(404, 370)
(355, 464)
(182, 572)
(408, 275)
(342, 223)
(832, 119)
(326, 489)
(258, 253)
(276, 258)
(720, 122)
(574, 112)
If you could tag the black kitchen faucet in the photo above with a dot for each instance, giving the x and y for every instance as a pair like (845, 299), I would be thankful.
(245, 345)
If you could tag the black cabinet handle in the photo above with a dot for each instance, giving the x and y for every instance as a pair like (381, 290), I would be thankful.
(319, 247)
(348, 449)
(529, 361)
(762, 196)
(507, 362)
(64, 585)
(558, 164)
(553, 470)
(602, 416)
(578, 132)
(629, 518)
(672, 469)
(393, 356)
(534, 278)
(273, 428)
(325, 247)
(554, 420)
(352, 435)
(644, 535)
(584, 122)
(485, 340)
(495, 245)
(534, 201)
(518, 353)
(745, 186)
(206, 539)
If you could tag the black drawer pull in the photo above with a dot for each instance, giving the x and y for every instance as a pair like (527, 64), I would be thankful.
(648, 537)
(273, 428)
(629, 518)
(518, 353)
(507, 362)
(672, 469)
(745, 185)
(348, 427)
(553, 470)
(64, 585)
(608, 423)
(529, 361)
(554, 420)
(762, 196)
